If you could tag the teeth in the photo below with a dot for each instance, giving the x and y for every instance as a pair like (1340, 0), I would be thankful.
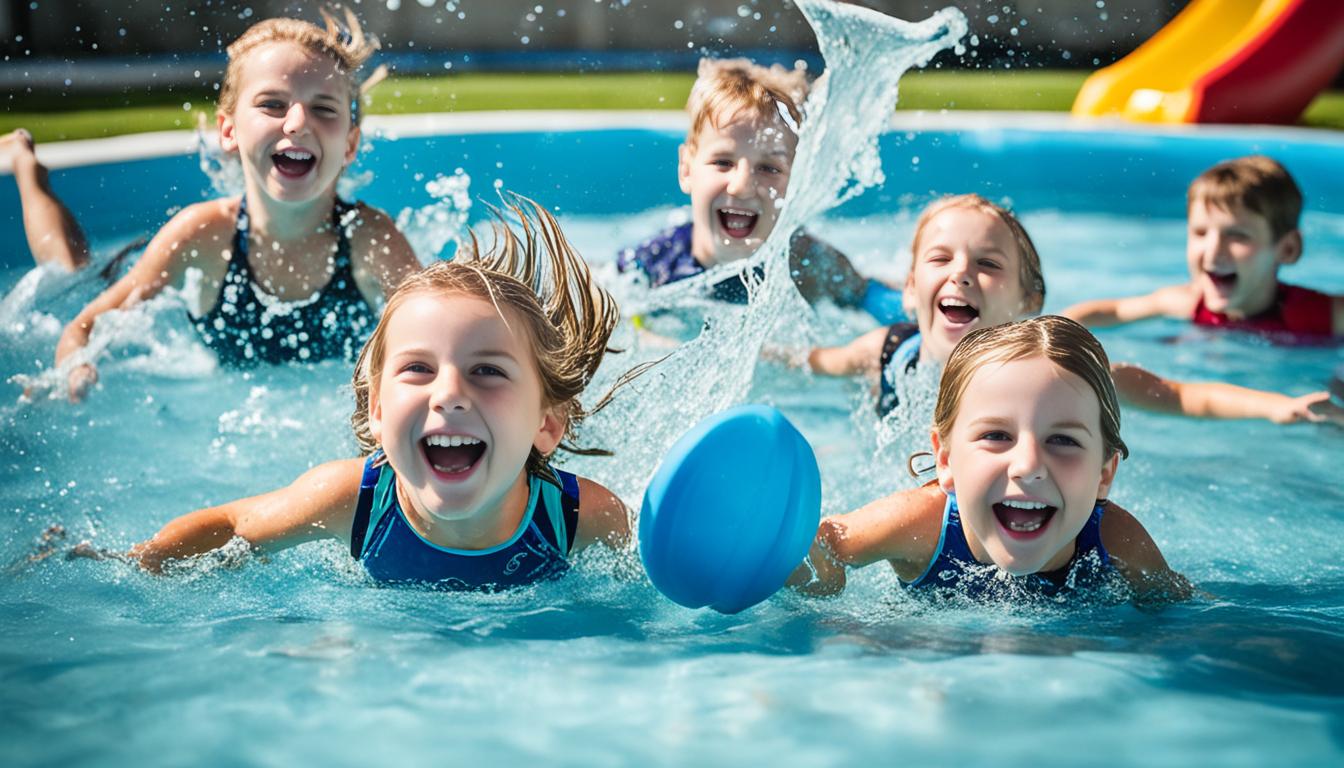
(736, 212)
(297, 154)
(951, 302)
(1025, 527)
(1016, 504)
(451, 441)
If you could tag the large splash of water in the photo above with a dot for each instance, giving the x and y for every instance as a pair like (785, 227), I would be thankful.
(866, 53)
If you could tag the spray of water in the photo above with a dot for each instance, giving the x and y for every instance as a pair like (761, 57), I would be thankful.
(837, 159)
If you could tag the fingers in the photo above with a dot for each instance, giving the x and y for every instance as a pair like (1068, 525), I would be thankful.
(81, 379)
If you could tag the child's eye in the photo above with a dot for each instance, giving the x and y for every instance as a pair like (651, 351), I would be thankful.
(489, 370)
(771, 169)
(1064, 440)
(723, 165)
(989, 264)
(272, 104)
(996, 435)
(325, 111)
(416, 368)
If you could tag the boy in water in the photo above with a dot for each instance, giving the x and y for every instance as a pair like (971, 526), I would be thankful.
(1242, 226)
(735, 166)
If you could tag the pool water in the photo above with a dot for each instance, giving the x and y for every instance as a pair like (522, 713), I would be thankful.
(238, 660)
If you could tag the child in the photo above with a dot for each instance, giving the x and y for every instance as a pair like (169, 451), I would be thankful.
(289, 271)
(974, 266)
(1242, 226)
(1026, 441)
(735, 166)
(467, 386)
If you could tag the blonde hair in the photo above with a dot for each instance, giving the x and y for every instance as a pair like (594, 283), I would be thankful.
(1029, 261)
(346, 44)
(545, 283)
(726, 88)
(1059, 340)
(1257, 183)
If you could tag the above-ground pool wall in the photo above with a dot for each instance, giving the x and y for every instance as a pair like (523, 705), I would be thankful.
(627, 170)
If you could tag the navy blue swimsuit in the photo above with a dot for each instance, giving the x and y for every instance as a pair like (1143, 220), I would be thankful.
(900, 355)
(393, 552)
(248, 326)
(666, 258)
(953, 567)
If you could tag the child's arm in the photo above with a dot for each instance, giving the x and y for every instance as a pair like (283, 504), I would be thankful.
(602, 517)
(822, 272)
(862, 355)
(1216, 400)
(1138, 559)
(381, 256)
(1173, 301)
(901, 528)
(320, 504)
(193, 233)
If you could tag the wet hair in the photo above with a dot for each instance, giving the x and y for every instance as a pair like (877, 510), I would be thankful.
(544, 283)
(346, 44)
(1257, 183)
(1060, 340)
(726, 88)
(1029, 261)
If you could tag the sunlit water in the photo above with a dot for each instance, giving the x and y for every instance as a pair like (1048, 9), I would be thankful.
(298, 658)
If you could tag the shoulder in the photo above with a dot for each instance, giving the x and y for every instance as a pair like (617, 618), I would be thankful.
(602, 516)
(209, 221)
(1137, 557)
(197, 235)
(1175, 300)
(379, 252)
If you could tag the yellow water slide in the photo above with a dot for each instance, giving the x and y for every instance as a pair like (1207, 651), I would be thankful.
(1224, 61)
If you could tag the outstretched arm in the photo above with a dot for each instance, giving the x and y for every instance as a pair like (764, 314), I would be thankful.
(320, 504)
(862, 355)
(901, 528)
(1172, 301)
(1217, 400)
(822, 272)
(1138, 559)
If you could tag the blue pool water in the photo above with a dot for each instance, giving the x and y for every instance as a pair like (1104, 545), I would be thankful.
(239, 661)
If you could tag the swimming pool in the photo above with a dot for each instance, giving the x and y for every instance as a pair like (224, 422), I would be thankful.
(299, 659)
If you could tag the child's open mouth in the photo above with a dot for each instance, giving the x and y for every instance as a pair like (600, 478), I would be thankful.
(737, 222)
(957, 311)
(293, 162)
(1023, 519)
(1224, 283)
(453, 455)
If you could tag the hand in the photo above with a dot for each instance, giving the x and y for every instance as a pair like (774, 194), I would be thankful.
(1316, 407)
(81, 379)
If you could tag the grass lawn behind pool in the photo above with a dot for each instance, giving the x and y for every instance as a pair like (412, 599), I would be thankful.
(55, 117)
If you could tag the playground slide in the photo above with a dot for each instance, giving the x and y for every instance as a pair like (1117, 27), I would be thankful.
(1225, 61)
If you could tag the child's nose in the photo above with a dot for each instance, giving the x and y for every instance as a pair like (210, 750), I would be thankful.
(1028, 464)
(296, 119)
(739, 180)
(450, 391)
(960, 270)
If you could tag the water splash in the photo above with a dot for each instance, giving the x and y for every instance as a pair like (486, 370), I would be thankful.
(837, 159)
(431, 227)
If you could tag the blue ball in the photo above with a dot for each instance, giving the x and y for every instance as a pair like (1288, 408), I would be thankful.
(731, 511)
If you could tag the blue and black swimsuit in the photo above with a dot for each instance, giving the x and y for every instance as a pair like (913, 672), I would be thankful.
(248, 326)
(953, 567)
(900, 356)
(393, 552)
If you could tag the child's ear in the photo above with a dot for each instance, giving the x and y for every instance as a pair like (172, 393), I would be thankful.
(684, 168)
(1108, 471)
(941, 455)
(227, 140)
(352, 144)
(551, 431)
(1289, 248)
(375, 416)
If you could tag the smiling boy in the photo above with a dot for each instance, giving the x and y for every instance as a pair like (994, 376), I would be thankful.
(1242, 225)
(735, 165)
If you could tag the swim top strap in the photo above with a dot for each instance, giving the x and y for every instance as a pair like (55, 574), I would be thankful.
(561, 505)
(374, 488)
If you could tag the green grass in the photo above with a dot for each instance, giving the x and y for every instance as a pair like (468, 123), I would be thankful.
(53, 117)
